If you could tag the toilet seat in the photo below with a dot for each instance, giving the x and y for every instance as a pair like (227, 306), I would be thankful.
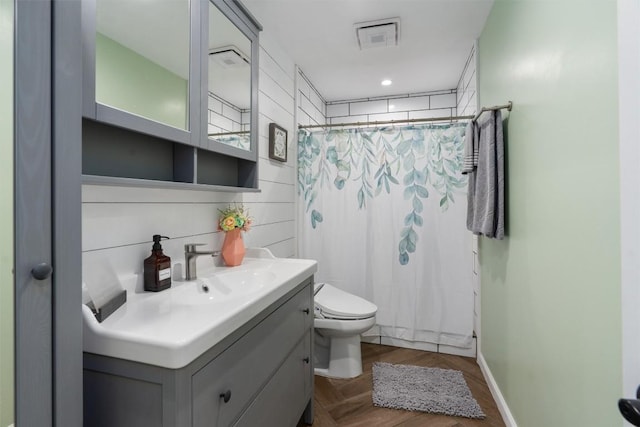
(333, 303)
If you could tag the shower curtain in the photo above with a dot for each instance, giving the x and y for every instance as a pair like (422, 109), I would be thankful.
(383, 210)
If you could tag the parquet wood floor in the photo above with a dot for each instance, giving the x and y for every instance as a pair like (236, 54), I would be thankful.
(347, 403)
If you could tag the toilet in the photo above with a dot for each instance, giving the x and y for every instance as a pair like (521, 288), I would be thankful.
(340, 318)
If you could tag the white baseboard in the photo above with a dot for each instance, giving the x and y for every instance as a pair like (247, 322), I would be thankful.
(415, 345)
(370, 339)
(495, 392)
(419, 345)
(458, 351)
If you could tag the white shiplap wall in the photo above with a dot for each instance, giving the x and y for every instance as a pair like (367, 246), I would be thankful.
(118, 222)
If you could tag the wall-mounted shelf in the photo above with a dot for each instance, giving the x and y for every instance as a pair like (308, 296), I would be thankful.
(117, 156)
(148, 183)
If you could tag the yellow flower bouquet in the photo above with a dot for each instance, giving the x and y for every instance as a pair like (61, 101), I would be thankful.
(234, 217)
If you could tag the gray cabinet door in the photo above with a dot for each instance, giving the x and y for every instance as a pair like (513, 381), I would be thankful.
(47, 204)
(33, 309)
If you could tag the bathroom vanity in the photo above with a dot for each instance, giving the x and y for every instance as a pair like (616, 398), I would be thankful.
(257, 372)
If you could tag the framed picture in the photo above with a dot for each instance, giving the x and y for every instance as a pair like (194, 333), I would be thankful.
(277, 143)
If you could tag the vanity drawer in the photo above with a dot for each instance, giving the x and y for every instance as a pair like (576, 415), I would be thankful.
(245, 367)
(279, 402)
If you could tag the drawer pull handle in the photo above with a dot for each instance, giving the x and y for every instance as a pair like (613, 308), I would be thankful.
(306, 360)
(226, 396)
(306, 311)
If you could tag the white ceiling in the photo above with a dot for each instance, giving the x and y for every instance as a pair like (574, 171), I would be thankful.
(436, 37)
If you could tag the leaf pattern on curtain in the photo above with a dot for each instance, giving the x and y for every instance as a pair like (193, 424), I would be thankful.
(242, 142)
(420, 160)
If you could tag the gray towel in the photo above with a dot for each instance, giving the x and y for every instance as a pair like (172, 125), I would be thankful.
(470, 160)
(485, 198)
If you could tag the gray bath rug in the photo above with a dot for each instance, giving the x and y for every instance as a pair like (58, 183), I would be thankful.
(434, 390)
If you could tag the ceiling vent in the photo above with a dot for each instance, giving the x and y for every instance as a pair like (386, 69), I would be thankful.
(381, 33)
(229, 57)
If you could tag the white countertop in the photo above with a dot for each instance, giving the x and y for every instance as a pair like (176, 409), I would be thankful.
(173, 327)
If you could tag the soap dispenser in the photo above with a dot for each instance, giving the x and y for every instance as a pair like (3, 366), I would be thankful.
(157, 268)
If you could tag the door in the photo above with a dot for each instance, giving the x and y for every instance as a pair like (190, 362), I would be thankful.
(33, 298)
(629, 111)
(47, 138)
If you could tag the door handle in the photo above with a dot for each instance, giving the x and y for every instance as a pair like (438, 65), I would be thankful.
(630, 409)
(226, 396)
(41, 271)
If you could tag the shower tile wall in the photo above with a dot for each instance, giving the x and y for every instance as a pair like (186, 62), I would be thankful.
(466, 101)
(467, 104)
(399, 107)
(118, 222)
(224, 117)
(312, 108)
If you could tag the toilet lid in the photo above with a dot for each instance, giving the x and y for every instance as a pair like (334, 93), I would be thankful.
(333, 303)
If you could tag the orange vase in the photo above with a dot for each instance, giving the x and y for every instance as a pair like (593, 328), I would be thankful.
(233, 248)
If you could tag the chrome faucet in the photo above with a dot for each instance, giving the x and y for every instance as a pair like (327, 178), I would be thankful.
(190, 255)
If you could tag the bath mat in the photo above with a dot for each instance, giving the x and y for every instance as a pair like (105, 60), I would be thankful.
(414, 388)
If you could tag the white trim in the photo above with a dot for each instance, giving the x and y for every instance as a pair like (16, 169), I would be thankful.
(629, 128)
(477, 277)
(420, 345)
(413, 345)
(293, 139)
(508, 419)
(370, 339)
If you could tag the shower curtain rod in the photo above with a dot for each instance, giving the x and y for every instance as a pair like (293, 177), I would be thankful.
(508, 106)
(244, 132)
(430, 119)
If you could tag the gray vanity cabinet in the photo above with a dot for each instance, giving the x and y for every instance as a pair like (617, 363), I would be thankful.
(261, 375)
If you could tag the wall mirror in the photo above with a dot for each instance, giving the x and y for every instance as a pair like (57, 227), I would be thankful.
(142, 58)
(229, 82)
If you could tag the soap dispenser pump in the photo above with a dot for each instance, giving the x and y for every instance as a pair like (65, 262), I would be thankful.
(157, 268)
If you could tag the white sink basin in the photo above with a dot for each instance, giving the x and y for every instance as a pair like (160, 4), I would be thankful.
(223, 287)
(173, 327)
(236, 282)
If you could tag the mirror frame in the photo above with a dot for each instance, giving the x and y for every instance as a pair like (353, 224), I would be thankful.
(238, 14)
(94, 110)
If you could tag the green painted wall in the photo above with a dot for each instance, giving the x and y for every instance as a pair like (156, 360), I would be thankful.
(551, 310)
(6, 213)
(131, 82)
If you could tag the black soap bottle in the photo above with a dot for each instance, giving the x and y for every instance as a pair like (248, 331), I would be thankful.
(157, 268)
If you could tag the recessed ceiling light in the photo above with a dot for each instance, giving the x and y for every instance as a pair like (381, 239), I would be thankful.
(386, 82)
(391, 106)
